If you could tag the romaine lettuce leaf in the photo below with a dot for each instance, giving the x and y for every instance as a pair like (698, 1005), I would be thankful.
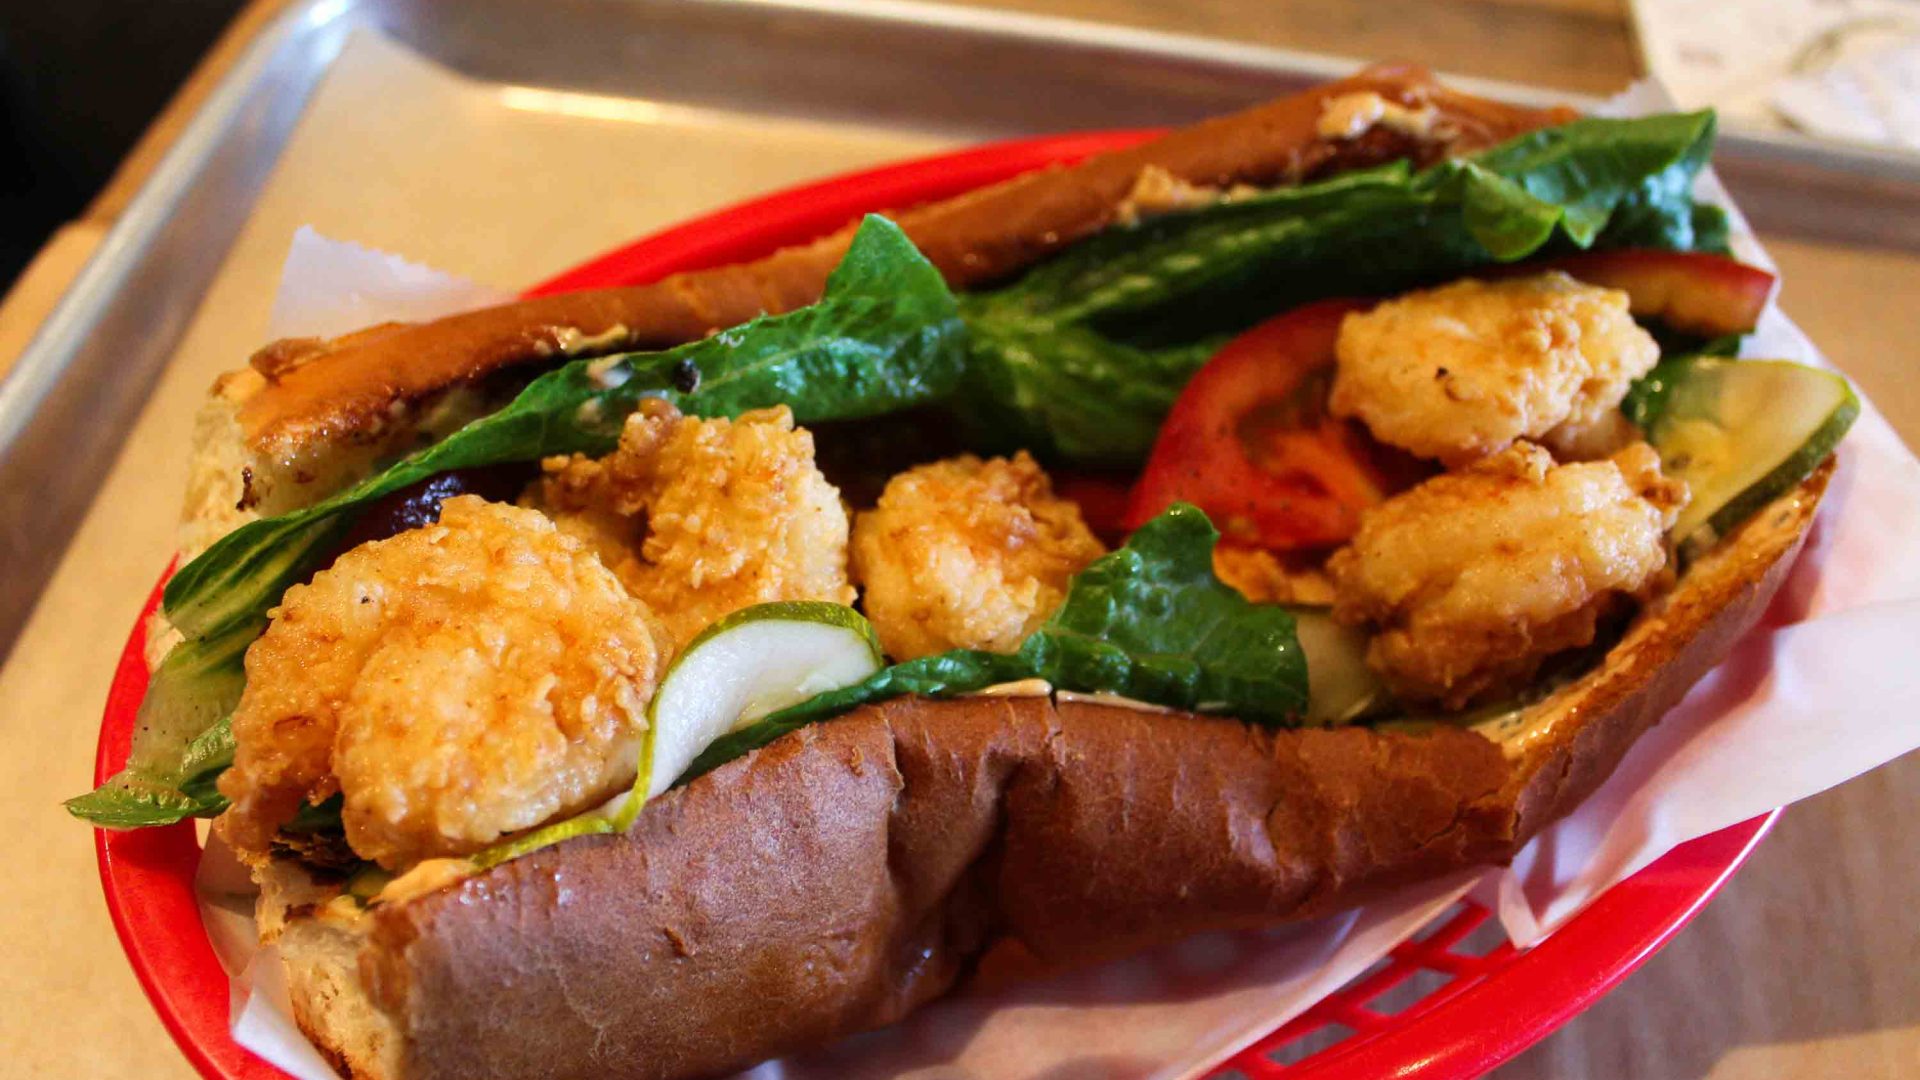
(1149, 621)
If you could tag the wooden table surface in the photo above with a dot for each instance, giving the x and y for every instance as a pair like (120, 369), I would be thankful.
(1807, 965)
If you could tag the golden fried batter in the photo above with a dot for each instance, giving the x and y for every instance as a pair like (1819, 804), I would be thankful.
(1473, 578)
(1461, 371)
(700, 518)
(966, 553)
(1602, 438)
(1266, 577)
(455, 683)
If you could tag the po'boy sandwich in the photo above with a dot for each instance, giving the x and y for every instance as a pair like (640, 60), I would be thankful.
(1210, 534)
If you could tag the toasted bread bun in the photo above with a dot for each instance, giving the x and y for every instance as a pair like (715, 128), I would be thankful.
(854, 870)
(310, 416)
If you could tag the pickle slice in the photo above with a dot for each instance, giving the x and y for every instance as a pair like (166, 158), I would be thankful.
(1340, 686)
(1740, 433)
(753, 662)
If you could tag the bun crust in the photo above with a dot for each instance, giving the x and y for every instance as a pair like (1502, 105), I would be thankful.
(854, 870)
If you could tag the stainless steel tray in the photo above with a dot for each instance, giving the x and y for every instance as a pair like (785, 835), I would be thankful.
(886, 66)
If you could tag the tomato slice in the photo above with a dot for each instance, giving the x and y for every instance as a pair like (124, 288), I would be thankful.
(1691, 291)
(1249, 441)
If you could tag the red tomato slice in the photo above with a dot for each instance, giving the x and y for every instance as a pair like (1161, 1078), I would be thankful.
(1691, 291)
(1249, 441)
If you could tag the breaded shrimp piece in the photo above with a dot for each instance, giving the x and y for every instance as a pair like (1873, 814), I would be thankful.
(966, 553)
(1473, 578)
(454, 683)
(1265, 577)
(1603, 438)
(1461, 371)
(700, 518)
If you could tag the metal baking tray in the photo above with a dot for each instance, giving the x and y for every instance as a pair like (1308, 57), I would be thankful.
(886, 66)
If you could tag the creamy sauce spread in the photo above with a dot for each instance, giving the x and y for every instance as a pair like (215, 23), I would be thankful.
(1350, 116)
(609, 372)
(1115, 700)
(1520, 730)
(342, 910)
(1043, 688)
(430, 876)
(1156, 191)
(1021, 688)
(573, 342)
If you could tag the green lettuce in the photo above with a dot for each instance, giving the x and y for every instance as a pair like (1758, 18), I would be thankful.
(884, 337)
(1149, 621)
(1084, 354)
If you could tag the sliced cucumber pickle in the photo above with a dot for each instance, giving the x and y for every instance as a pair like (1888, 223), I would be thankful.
(1340, 685)
(611, 817)
(753, 662)
(1740, 433)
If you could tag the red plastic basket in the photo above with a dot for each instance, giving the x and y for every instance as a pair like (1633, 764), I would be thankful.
(1444, 1005)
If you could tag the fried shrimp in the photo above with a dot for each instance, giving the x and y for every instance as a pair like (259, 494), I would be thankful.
(966, 553)
(1461, 371)
(1266, 577)
(700, 518)
(1473, 578)
(453, 684)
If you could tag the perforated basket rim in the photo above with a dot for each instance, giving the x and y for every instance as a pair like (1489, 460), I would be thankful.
(1494, 1007)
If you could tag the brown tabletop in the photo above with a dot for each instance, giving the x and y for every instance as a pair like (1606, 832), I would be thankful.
(1808, 963)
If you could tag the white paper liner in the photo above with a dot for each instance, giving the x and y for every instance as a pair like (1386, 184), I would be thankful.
(1823, 691)
(333, 287)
